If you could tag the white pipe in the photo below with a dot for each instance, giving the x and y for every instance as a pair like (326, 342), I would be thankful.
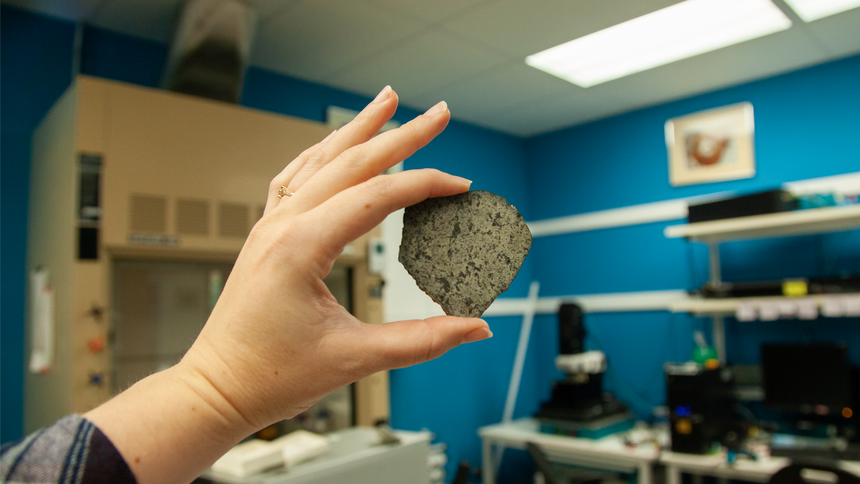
(520, 359)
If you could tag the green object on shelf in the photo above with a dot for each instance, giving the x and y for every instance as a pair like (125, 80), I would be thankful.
(701, 355)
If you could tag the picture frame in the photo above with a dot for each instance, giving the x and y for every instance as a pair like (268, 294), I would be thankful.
(711, 146)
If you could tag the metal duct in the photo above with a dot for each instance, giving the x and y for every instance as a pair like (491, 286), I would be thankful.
(210, 49)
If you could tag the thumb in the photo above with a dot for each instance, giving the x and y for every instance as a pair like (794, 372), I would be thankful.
(406, 343)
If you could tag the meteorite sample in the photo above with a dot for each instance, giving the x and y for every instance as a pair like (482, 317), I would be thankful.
(464, 250)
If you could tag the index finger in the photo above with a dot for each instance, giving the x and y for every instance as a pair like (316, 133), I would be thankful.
(354, 211)
(363, 162)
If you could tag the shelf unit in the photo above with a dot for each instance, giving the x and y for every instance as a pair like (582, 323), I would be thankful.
(729, 306)
(712, 233)
(798, 222)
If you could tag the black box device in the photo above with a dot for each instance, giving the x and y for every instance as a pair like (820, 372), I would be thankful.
(771, 201)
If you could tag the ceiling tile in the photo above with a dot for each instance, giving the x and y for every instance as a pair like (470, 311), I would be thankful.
(312, 39)
(756, 59)
(840, 33)
(495, 89)
(471, 52)
(748, 61)
(549, 113)
(420, 64)
(429, 11)
(64, 9)
(521, 28)
(150, 19)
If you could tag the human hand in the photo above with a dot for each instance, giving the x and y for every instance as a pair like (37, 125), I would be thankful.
(277, 341)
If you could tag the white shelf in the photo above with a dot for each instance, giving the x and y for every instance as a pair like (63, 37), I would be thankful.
(798, 222)
(828, 304)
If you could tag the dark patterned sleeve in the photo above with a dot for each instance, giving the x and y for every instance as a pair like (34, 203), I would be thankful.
(71, 451)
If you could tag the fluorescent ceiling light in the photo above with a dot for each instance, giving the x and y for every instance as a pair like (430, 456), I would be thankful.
(810, 10)
(683, 30)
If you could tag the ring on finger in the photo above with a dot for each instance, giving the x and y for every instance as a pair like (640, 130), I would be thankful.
(282, 192)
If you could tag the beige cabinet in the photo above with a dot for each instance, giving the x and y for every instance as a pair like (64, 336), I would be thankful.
(124, 173)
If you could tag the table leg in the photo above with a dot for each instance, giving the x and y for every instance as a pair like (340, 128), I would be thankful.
(488, 462)
(673, 475)
(645, 474)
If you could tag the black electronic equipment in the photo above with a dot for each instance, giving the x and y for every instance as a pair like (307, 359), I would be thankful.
(821, 285)
(578, 406)
(700, 404)
(811, 378)
(580, 401)
(571, 330)
(771, 201)
(853, 413)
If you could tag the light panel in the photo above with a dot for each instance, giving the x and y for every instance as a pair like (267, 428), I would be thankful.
(682, 30)
(810, 10)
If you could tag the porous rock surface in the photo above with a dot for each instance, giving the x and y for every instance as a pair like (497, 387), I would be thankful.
(464, 250)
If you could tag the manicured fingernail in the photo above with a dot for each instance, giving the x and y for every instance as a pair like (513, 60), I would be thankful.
(439, 108)
(479, 334)
(383, 94)
(329, 136)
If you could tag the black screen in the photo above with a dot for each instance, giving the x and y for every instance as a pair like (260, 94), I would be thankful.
(798, 375)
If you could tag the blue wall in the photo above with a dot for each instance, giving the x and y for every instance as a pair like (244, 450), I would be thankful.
(807, 125)
(36, 68)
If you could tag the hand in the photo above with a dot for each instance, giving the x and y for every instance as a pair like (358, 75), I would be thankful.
(277, 341)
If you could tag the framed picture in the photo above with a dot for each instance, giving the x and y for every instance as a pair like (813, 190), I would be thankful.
(711, 146)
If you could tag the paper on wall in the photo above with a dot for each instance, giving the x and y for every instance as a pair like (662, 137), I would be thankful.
(41, 322)
(852, 306)
(747, 311)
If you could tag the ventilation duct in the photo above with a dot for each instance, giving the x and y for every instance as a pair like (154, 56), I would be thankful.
(210, 49)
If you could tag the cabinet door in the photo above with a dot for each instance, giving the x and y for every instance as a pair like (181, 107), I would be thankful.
(190, 173)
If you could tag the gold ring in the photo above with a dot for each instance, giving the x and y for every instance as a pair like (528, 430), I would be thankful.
(283, 191)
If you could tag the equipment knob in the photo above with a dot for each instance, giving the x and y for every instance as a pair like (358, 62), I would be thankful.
(96, 344)
(97, 379)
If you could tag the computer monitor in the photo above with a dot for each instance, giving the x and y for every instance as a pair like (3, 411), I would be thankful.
(806, 377)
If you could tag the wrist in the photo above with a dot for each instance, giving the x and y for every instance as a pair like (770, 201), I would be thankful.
(170, 426)
(229, 422)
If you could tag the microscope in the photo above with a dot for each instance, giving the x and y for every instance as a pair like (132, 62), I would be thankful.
(578, 406)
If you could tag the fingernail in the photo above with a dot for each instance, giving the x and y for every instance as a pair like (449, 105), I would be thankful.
(383, 94)
(468, 182)
(439, 108)
(479, 334)
(329, 136)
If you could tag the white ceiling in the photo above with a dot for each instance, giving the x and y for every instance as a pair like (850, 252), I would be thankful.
(471, 52)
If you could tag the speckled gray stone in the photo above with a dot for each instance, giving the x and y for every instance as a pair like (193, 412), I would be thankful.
(464, 250)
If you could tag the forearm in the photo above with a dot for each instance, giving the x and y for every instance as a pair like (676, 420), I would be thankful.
(170, 426)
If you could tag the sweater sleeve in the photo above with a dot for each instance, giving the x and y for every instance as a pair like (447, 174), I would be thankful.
(72, 451)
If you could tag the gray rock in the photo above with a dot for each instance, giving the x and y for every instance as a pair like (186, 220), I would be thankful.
(464, 250)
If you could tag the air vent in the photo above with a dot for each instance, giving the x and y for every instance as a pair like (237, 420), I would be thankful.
(192, 217)
(233, 220)
(148, 214)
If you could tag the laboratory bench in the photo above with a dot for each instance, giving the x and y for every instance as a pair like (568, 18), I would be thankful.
(635, 451)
